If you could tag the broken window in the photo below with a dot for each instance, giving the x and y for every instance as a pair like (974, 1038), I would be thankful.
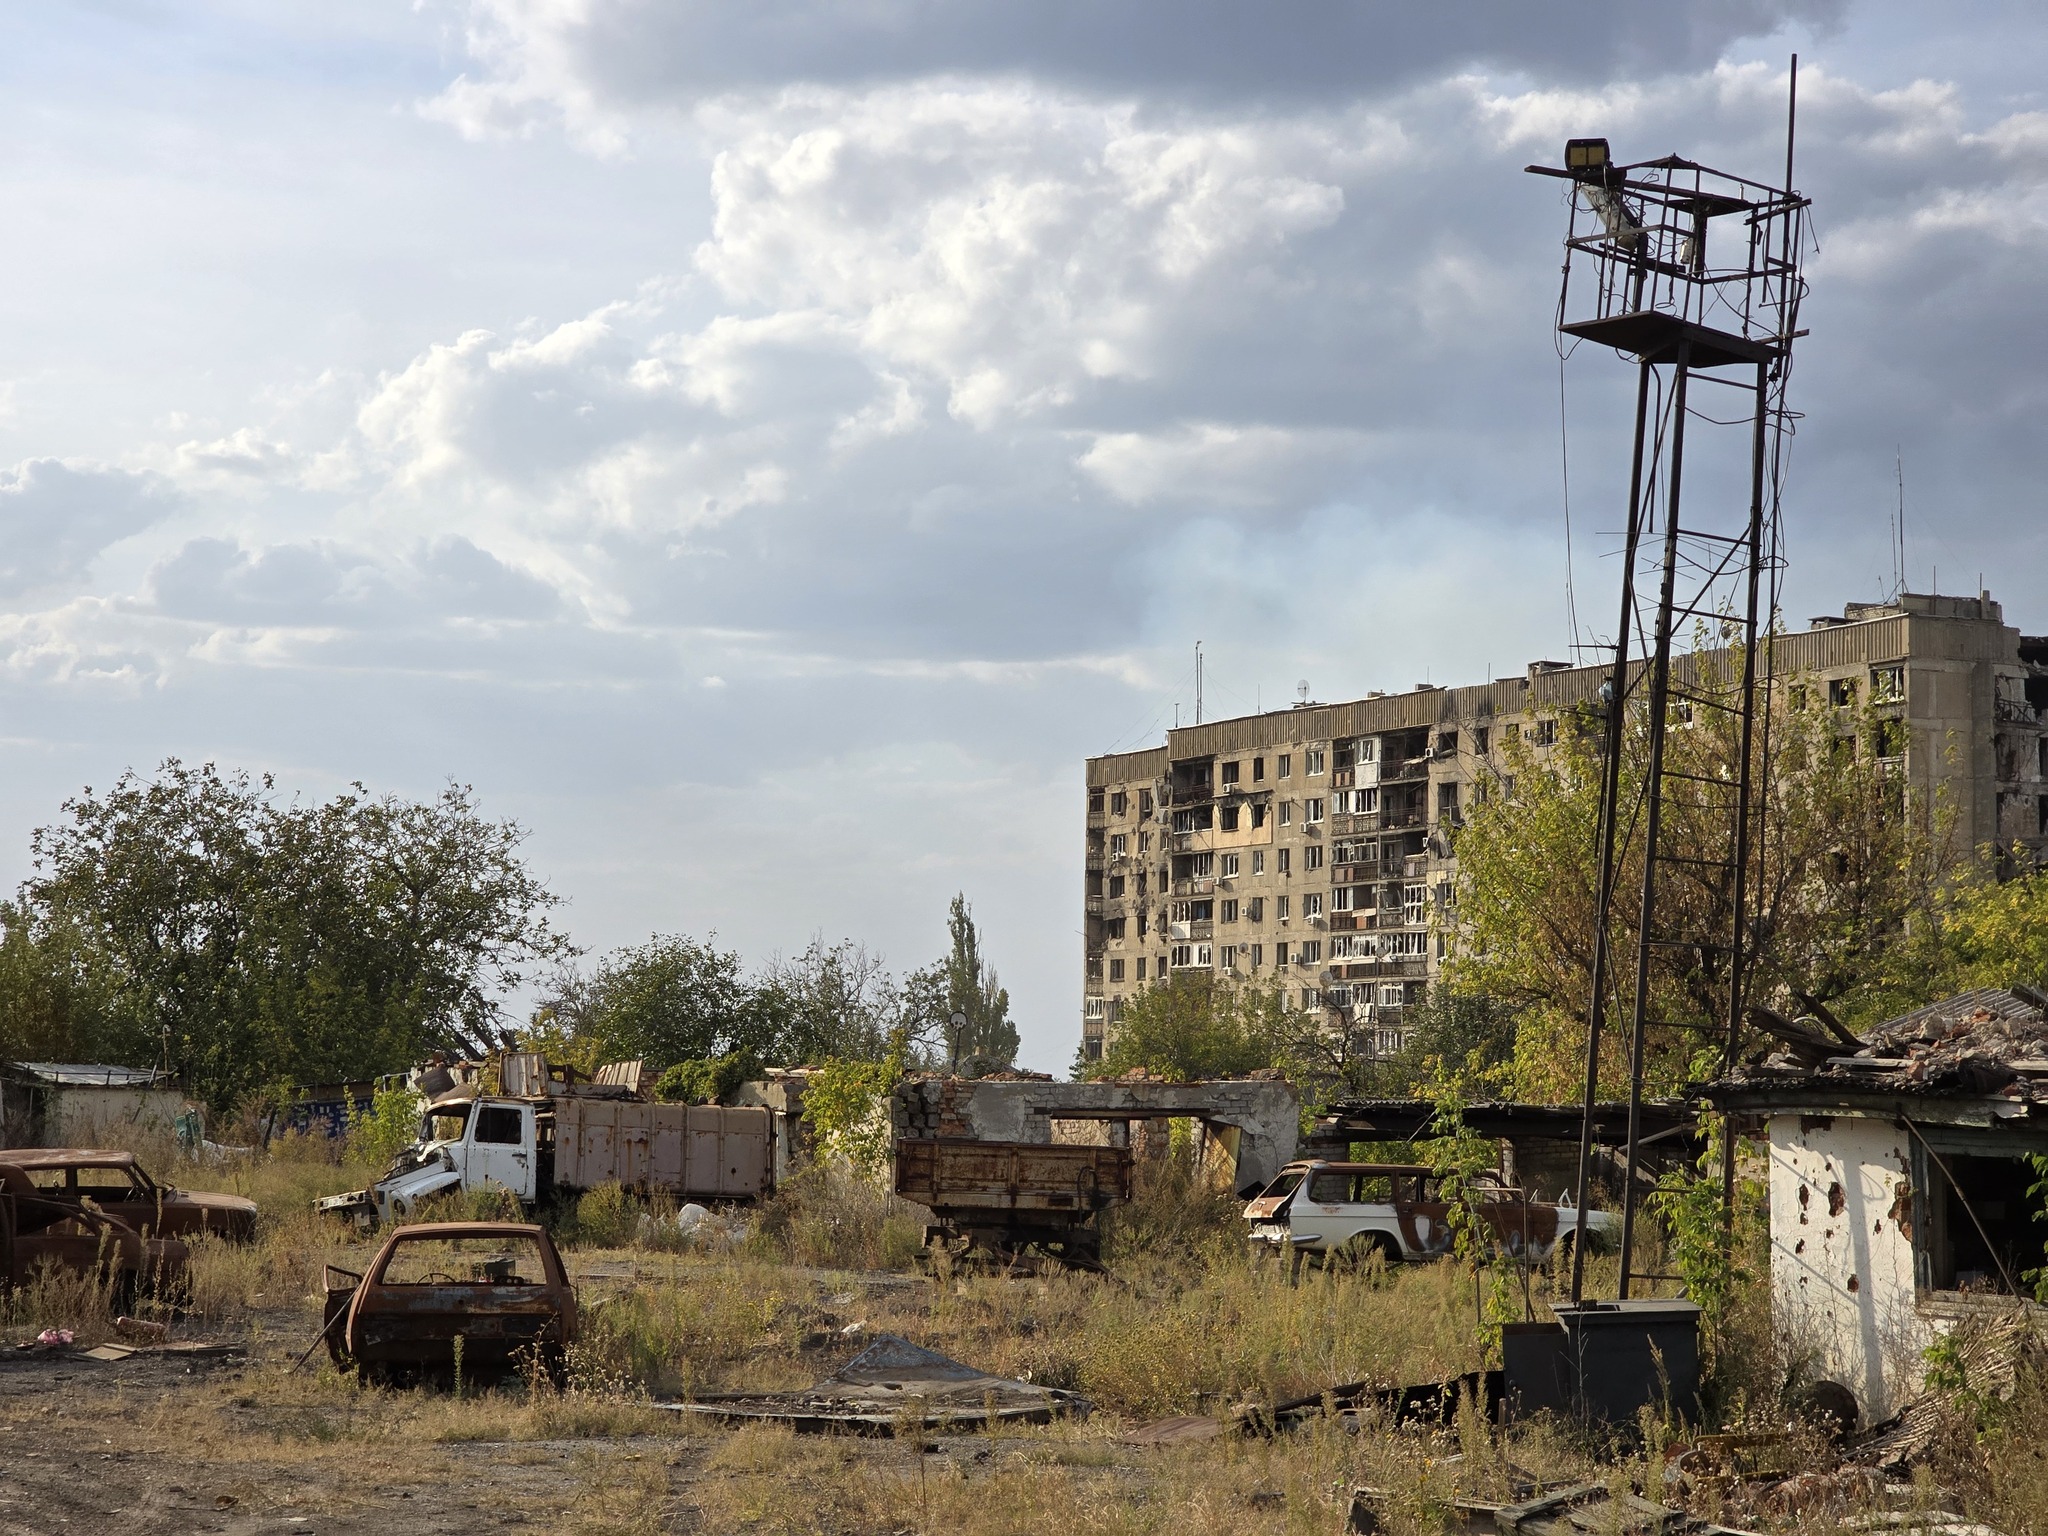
(1976, 1221)
(1312, 905)
(1511, 733)
(1258, 861)
(1119, 804)
(1230, 866)
(1229, 775)
(1143, 921)
(1887, 685)
(1116, 970)
(1258, 769)
(1285, 858)
(1144, 802)
(1546, 733)
(1144, 844)
(1229, 913)
(1311, 998)
(1312, 857)
(1285, 765)
(1255, 909)
(1312, 761)
(1258, 817)
(1841, 691)
(1311, 952)
(1226, 818)
(1119, 845)
(1094, 802)
(1286, 812)
(1258, 956)
(1113, 929)
(1311, 811)
(1447, 803)
(1482, 740)
(1447, 744)
(1141, 967)
(1227, 957)
(1280, 951)
(1280, 908)
(1116, 886)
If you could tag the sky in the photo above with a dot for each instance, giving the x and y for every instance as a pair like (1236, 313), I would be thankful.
(764, 449)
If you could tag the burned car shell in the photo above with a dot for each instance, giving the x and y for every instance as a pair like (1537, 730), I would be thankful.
(1397, 1208)
(40, 1236)
(121, 1188)
(388, 1328)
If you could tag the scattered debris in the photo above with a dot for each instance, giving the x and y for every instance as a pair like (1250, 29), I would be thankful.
(1564, 1512)
(1430, 1402)
(140, 1328)
(51, 1336)
(468, 1297)
(891, 1385)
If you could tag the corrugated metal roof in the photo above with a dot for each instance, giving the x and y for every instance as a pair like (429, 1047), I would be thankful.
(85, 1074)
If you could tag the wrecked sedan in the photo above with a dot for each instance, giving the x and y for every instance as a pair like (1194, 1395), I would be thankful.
(1398, 1210)
(43, 1239)
(120, 1187)
(499, 1288)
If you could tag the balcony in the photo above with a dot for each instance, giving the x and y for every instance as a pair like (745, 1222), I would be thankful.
(1414, 770)
(1199, 931)
(1343, 778)
(1095, 906)
(1202, 887)
(1358, 822)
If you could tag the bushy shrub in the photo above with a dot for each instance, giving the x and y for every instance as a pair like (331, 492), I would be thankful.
(707, 1080)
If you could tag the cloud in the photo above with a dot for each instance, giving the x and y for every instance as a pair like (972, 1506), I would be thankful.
(327, 586)
(57, 517)
(592, 65)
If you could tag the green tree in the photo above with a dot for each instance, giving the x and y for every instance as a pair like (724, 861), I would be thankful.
(1984, 932)
(238, 939)
(1195, 1026)
(833, 1002)
(1849, 864)
(959, 1004)
(669, 1000)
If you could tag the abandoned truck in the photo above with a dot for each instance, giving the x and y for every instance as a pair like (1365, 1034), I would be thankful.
(1397, 1210)
(557, 1139)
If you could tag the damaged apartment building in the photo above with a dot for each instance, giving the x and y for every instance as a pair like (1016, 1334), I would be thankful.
(1313, 847)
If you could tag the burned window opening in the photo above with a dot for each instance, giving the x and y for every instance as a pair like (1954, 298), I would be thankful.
(1987, 1254)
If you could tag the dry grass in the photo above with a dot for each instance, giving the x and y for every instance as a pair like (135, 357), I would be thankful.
(1186, 1322)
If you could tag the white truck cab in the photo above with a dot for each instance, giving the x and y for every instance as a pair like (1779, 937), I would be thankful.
(464, 1143)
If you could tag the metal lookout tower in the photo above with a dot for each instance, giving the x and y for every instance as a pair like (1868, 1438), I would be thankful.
(1693, 274)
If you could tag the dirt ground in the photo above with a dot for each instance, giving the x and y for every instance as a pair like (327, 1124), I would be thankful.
(242, 1444)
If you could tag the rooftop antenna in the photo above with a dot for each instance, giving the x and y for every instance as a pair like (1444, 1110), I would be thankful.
(1899, 526)
(1301, 690)
(1198, 682)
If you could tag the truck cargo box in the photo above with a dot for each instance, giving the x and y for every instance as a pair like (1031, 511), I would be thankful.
(958, 1177)
(701, 1152)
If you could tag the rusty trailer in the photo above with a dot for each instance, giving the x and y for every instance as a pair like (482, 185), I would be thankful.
(1003, 1196)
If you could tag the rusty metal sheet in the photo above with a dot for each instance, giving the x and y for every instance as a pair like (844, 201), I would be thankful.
(705, 1151)
(893, 1383)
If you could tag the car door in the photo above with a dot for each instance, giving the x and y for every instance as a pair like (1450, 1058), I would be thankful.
(1319, 1208)
(501, 1148)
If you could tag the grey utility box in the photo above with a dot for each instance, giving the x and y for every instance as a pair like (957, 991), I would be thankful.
(1601, 1361)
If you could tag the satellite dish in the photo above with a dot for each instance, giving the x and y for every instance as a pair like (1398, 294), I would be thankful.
(959, 1020)
(1301, 690)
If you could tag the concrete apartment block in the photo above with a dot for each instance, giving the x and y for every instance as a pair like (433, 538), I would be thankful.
(1310, 846)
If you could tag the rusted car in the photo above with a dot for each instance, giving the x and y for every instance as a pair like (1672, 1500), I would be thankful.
(44, 1238)
(121, 1188)
(1398, 1210)
(499, 1288)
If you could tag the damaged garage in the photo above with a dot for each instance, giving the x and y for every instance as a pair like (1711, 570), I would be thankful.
(1904, 1192)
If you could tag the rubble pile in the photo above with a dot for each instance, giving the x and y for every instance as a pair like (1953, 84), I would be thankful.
(1991, 1042)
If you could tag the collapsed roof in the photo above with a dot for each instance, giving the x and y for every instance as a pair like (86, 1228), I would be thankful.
(1990, 1044)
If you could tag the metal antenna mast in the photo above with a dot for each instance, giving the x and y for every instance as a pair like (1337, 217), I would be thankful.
(1686, 834)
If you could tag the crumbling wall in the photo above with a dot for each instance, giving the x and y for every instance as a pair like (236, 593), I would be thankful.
(1842, 1279)
(1264, 1115)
